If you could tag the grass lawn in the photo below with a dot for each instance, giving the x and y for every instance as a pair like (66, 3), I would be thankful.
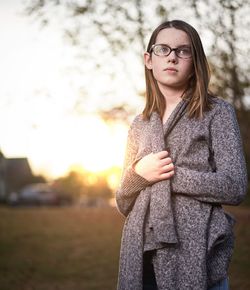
(78, 249)
(239, 271)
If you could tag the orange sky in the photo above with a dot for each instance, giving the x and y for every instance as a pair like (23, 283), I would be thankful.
(39, 91)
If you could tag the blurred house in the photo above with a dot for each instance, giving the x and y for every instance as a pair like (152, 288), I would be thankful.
(2, 179)
(15, 173)
(18, 173)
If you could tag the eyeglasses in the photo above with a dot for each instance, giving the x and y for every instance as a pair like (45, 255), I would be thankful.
(165, 50)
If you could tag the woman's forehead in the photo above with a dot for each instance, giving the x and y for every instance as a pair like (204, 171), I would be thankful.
(173, 36)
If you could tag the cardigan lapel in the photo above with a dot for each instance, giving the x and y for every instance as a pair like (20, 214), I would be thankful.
(175, 116)
(161, 216)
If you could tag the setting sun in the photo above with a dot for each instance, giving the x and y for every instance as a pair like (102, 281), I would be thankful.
(86, 142)
(41, 89)
(101, 145)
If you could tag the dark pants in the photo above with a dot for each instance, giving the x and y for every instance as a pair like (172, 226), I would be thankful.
(149, 281)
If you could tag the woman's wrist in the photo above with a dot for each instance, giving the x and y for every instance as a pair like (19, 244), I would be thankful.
(135, 167)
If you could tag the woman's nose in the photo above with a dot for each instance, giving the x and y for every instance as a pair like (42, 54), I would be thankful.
(172, 57)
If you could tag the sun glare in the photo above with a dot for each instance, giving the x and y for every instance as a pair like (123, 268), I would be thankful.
(38, 118)
(86, 142)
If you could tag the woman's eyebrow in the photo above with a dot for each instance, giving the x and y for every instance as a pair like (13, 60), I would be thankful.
(180, 45)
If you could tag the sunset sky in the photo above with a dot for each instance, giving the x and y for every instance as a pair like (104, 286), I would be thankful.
(40, 87)
(51, 93)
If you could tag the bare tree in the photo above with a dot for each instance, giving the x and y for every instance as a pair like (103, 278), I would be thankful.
(227, 22)
(114, 33)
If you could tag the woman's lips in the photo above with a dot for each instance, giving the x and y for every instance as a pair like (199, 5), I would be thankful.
(171, 69)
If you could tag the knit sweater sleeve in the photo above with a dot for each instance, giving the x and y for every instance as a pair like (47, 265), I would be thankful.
(131, 183)
(228, 183)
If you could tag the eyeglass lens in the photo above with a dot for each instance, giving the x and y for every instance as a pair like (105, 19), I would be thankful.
(165, 50)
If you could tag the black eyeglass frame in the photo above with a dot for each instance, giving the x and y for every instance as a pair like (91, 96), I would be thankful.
(171, 49)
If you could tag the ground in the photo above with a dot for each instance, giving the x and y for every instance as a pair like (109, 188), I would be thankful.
(78, 248)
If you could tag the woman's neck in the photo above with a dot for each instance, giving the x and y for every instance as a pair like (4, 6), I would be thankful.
(172, 95)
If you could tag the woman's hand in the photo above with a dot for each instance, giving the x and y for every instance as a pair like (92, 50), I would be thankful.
(155, 167)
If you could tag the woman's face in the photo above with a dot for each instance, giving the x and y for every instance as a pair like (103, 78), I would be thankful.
(170, 71)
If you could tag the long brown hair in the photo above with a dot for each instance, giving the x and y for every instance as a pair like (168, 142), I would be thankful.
(197, 91)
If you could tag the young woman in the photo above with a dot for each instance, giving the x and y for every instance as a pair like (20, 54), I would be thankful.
(184, 160)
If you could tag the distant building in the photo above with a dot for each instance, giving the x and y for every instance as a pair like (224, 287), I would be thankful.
(17, 173)
(14, 174)
(2, 178)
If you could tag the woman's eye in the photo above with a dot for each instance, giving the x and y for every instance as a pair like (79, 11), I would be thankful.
(163, 49)
(184, 51)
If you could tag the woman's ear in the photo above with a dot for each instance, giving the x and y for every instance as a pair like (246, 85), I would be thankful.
(147, 60)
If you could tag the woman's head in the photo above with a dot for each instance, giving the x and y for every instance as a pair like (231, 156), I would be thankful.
(189, 61)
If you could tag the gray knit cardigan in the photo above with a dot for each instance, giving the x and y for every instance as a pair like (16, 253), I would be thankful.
(210, 170)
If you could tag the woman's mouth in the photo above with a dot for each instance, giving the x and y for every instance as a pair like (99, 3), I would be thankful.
(171, 69)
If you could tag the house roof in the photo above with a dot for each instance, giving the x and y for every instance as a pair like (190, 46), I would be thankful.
(1, 154)
(17, 172)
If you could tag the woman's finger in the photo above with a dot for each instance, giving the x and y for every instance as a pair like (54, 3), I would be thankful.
(166, 175)
(165, 161)
(161, 154)
(167, 168)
